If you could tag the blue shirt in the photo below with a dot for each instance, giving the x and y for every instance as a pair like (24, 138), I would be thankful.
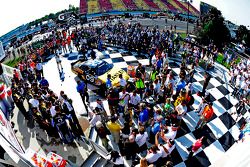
(80, 87)
(143, 116)
(44, 82)
(108, 83)
(156, 127)
(158, 64)
(180, 85)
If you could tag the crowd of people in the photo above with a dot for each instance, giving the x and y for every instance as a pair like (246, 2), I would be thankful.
(53, 113)
(142, 121)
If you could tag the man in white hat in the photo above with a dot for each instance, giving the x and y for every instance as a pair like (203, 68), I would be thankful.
(102, 132)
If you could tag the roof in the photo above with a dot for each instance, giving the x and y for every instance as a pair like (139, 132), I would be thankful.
(93, 63)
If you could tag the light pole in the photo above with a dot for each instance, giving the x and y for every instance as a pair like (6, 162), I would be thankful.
(188, 1)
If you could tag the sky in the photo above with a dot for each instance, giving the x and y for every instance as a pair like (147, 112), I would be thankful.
(14, 13)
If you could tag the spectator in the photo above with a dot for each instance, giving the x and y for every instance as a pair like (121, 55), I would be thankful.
(81, 89)
(195, 147)
(141, 139)
(114, 128)
(102, 132)
(154, 155)
(116, 159)
(206, 115)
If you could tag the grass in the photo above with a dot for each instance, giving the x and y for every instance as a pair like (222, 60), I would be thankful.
(183, 35)
(227, 65)
(13, 63)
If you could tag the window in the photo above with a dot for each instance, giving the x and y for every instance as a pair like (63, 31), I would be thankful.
(103, 68)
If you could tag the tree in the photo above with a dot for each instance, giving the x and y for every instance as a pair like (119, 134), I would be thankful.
(213, 29)
(246, 39)
(242, 33)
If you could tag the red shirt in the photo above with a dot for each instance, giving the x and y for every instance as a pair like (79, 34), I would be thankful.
(68, 40)
(63, 43)
(196, 145)
(208, 112)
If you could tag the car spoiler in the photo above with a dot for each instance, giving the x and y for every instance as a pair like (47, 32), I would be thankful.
(73, 63)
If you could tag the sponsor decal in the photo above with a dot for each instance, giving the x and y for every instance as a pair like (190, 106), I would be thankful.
(114, 76)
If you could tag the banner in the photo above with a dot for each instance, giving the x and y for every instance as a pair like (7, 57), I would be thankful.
(2, 52)
(8, 134)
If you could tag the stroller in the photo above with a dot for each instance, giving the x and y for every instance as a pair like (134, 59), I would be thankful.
(63, 130)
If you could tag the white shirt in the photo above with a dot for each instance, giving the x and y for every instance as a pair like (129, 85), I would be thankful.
(243, 85)
(118, 161)
(238, 81)
(123, 82)
(101, 107)
(70, 108)
(122, 97)
(157, 87)
(34, 103)
(170, 149)
(153, 61)
(52, 111)
(95, 119)
(172, 81)
(171, 133)
(135, 100)
(236, 72)
(39, 66)
(58, 60)
(141, 139)
(151, 157)
(181, 110)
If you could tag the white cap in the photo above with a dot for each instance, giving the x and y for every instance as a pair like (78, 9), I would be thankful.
(98, 124)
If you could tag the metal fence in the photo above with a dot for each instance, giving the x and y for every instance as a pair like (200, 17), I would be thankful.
(8, 73)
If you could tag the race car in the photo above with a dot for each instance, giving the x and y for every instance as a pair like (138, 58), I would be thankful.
(96, 71)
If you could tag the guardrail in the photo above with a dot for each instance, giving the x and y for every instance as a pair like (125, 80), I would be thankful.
(8, 73)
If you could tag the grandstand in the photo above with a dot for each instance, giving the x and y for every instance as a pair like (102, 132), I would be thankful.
(162, 6)
(175, 5)
(93, 6)
(184, 9)
(170, 6)
(118, 5)
(83, 6)
(141, 5)
(152, 5)
(98, 6)
(192, 9)
(105, 5)
(130, 5)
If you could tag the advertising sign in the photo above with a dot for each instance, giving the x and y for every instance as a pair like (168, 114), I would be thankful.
(2, 53)
(8, 134)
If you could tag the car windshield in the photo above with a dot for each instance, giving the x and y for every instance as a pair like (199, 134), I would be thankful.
(103, 68)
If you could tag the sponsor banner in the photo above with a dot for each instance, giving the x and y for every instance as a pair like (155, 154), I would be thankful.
(8, 133)
(2, 52)
(37, 160)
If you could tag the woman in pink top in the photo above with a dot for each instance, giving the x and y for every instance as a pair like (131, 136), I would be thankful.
(195, 147)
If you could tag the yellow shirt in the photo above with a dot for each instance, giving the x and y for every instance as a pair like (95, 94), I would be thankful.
(113, 127)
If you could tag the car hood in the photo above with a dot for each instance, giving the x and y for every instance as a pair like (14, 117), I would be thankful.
(114, 72)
